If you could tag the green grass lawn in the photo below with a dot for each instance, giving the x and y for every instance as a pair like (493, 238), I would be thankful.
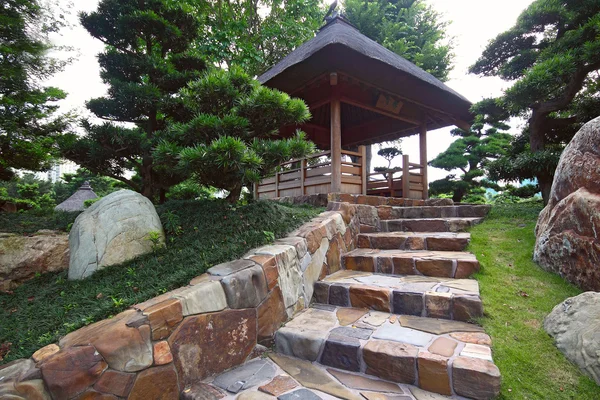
(517, 295)
(211, 232)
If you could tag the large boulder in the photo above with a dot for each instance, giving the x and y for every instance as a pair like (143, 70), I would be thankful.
(568, 229)
(22, 257)
(112, 231)
(575, 326)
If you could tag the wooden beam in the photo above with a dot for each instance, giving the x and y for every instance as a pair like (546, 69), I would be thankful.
(363, 168)
(374, 130)
(399, 117)
(405, 176)
(336, 141)
(423, 159)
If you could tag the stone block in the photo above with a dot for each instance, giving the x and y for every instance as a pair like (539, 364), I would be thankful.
(298, 243)
(475, 378)
(372, 297)
(202, 391)
(363, 242)
(230, 267)
(72, 370)
(391, 360)
(45, 352)
(443, 346)
(342, 352)
(279, 385)
(433, 267)
(438, 305)
(269, 266)
(156, 383)
(271, 314)
(385, 265)
(467, 308)
(245, 376)
(334, 254)
(415, 243)
(359, 263)
(347, 316)
(403, 266)
(321, 293)
(290, 278)
(115, 382)
(384, 212)
(472, 337)
(447, 244)
(367, 215)
(406, 303)
(396, 333)
(315, 268)
(466, 268)
(477, 351)
(124, 348)
(246, 288)
(304, 344)
(433, 373)
(162, 353)
(164, 317)
(207, 344)
(357, 333)
(202, 298)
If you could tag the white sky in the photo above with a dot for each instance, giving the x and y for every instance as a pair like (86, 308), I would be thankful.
(474, 23)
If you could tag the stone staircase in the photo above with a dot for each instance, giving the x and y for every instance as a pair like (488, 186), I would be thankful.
(403, 308)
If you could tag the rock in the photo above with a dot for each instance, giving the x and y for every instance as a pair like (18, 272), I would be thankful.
(164, 317)
(45, 352)
(280, 384)
(339, 295)
(162, 353)
(312, 377)
(472, 337)
(371, 297)
(246, 375)
(438, 305)
(475, 378)
(113, 230)
(575, 326)
(313, 271)
(433, 373)
(347, 316)
(290, 276)
(362, 382)
(342, 352)
(269, 266)
(20, 380)
(300, 394)
(357, 333)
(201, 391)
(72, 370)
(246, 288)
(397, 333)
(304, 336)
(22, 257)
(202, 298)
(271, 314)
(158, 383)
(466, 308)
(443, 346)
(115, 382)
(93, 395)
(567, 240)
(375, 318)
(208, 344)
(124, 348)
(405, 303)
(31, 390)
(477, 351)
(391, 360)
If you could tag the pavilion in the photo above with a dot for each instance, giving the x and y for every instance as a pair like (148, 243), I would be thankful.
(359, 93)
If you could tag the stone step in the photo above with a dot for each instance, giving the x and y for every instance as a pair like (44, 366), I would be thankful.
(461, 211)
(446, 298)
(439, 356)
(437, 241)
(444, 264)
(450, 224)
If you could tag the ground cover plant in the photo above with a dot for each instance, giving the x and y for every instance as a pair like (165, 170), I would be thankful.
(200, 234)
(517, 296)
(32, 221)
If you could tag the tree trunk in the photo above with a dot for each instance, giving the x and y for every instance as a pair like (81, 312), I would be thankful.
(537, 142)
(234, 194)
(163, 196)
(146, 172)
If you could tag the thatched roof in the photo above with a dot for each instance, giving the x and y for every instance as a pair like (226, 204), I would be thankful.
(75, 202)
(339, 46)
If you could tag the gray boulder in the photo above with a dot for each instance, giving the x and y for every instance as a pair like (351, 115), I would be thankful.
(575, 326)
(112, 231)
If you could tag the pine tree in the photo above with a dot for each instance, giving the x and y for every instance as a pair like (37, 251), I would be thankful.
(146, 62)
(228, 143)
(470, 153)
(29, 124)
(552, 54)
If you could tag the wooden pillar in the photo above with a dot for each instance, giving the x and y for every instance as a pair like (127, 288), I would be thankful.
(336, 137)
(364, 173)
(423, 159)
(255, 190)
(405, 177)
(277, 184)
(302, 174)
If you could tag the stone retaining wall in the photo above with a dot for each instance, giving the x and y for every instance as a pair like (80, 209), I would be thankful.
(158, 348)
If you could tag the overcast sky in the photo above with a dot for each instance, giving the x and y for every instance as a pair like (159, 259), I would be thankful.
(474, 23)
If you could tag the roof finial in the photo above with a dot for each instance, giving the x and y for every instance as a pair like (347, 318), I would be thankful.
(331, 13)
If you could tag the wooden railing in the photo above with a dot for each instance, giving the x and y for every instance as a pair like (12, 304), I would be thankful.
(313, 175)
(399, 182)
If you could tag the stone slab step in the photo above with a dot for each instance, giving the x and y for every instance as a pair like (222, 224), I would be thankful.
(437, 241)
(446, 298)
(281, 377)
(450, 224)
(446, 264)
(445, 357)
(389, 212)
